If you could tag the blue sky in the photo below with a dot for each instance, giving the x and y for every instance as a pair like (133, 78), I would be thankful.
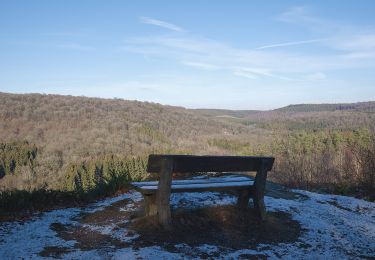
(212, 54)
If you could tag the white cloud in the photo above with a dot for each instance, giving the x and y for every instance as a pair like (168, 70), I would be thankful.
(263, 72)
(340, 36)
(200, 65)
(316, 76)
(301, 16)
(258, 71)
(295, 13)
(245, 74)
(208, 54)
(344, 49)
(163, 24)
(362, 42)
(360, 55)
(289, 44)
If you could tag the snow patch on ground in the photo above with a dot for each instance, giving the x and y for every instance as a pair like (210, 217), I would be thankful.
(334, 227)
(25, 239)
(345, 228)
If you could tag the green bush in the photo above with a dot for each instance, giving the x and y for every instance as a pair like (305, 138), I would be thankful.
(14, 155)
(21, 200)
(105, 173)
(85, 181)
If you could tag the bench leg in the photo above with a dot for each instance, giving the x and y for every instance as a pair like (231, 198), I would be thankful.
(258, 195)
(260, 209)
(243, 199)
(150, 205)
(164, 193)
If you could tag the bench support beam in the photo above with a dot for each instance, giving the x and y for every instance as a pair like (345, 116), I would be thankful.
(150, 205)
(243, 199)
(258, 193)
(163, 193)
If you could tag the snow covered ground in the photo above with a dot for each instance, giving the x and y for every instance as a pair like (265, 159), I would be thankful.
(333, 227)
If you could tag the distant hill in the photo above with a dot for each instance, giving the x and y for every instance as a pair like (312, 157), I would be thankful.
(49, 140)
(91, 126)
(358, 107)
(67, 130)
(302, 116)
(354, 107)
(79, 127)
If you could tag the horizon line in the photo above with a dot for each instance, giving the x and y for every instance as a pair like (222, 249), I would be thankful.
(179, 106)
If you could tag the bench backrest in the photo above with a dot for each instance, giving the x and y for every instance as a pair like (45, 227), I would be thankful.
(194, 163)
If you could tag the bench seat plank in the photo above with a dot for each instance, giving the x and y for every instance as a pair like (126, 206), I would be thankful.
(196, 181)
(195, 187)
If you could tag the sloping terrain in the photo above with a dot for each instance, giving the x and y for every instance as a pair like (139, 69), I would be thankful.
(80, 126)
(50, 141)
(346, 116)
(69, 130)
(300, 225)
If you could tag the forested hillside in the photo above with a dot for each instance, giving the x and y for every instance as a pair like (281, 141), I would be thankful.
(81, 144)
(348, 116)
(67, 130)
(357, 107)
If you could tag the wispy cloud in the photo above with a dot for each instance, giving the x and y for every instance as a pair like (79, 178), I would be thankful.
(260, 72)
(208, 54)
(296, 14)
(344, 49)
(316, 76)
(200, 65)
(355, 42)
(245, 74)
(301, 16)
(360, 55)
(289, 44)
(363, 42)
(163, 24)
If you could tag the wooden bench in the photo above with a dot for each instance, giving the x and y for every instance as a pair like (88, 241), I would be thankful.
(157, 193)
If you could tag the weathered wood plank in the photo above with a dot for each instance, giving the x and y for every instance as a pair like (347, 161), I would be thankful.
(196, 181)
(201, 187)
(258, 192)
(193, 163)
(150, 204)
(164, 192)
